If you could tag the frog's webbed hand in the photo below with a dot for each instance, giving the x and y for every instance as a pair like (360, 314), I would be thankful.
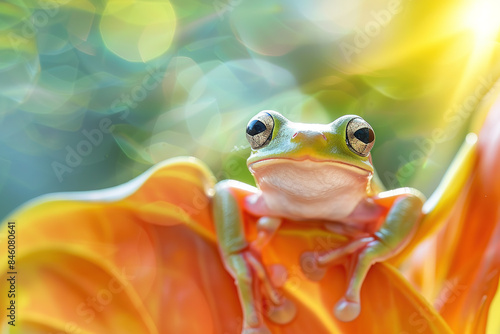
(315, 263)
(242, 260)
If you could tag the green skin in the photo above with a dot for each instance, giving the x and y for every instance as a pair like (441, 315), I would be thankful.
(331, 183)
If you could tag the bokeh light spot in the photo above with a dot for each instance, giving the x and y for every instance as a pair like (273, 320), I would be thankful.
(138, 31)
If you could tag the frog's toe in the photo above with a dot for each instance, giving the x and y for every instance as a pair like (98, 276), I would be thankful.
(282, 313)
(346, 310)
(310, 267)
(256, 330)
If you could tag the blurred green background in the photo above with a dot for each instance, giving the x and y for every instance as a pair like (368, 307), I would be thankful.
(92, 93)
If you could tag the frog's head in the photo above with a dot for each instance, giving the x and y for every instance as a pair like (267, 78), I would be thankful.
(310, 159)
(347, 140)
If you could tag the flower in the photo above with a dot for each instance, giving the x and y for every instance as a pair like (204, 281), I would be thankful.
(148, 262)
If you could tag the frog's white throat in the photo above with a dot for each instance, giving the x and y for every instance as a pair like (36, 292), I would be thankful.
(309, 189)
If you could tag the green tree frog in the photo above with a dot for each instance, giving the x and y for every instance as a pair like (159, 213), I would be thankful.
(310, 172)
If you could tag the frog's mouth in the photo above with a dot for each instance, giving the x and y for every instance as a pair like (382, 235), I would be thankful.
(310, 179)
(308, 163)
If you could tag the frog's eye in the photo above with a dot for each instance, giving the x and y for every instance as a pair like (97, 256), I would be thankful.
(260, 130)
(359, 136)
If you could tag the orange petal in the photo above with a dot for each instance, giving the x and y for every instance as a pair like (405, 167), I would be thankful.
(95, 261)
(464, 275)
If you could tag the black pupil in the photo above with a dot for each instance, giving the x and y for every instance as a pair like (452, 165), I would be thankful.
(255, 127)
(365, 135)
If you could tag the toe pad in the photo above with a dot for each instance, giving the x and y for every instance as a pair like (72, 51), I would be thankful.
(347, 310)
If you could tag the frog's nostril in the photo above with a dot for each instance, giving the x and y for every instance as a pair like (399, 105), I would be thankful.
(309, 136)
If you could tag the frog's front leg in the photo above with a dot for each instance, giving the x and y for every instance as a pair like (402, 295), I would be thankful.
(396, 231)
(242, 260)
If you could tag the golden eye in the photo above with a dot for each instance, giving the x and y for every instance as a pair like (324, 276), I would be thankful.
(360, 136)
(260, 130)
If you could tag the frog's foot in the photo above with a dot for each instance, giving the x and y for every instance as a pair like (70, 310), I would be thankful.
(347, 310)
(266, 227)
(239, 267)
(254, 287)
(310, 267)
(281, 313)
(278, 309)
(314, 264)
(349, 307)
